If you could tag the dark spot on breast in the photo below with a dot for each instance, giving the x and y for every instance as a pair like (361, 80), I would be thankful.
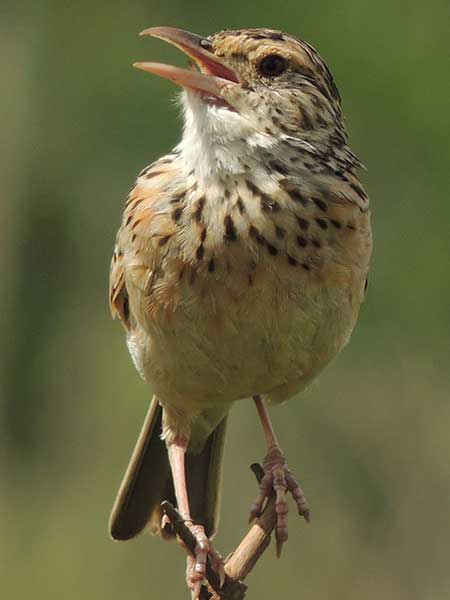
(230, 230)
(211, 265)
(271, 249)
(203, 234)
(200, 252)
(227, 193)
(181, 273)
(351, 226)
(321, 223)
(315, 243)
(335, 223)
(128, 221)
(366, 284)
(199, 209)
(304, 224)
(133, 237)
(306, 267)
(254, 233)
(176, 214)
(252, 264)
(320, 204)
(163, 240)
(298, 197)
(301, 241)
(280, 232)
(278, 166)
(240, 205)
(292, 261)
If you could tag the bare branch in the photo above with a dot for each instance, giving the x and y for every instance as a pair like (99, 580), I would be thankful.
(242, 560)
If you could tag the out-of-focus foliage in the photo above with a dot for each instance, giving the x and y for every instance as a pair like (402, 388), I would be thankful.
(370, 440)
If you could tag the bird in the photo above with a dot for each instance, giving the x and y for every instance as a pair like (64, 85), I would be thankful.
(238, 271)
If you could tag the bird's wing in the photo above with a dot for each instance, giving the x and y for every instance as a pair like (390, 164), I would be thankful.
(138, 285)
(118, 296)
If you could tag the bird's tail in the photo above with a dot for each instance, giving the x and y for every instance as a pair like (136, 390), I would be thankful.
(148, 481)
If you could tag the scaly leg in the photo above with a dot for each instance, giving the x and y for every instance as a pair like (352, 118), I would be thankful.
(196, 566)
(277, 477)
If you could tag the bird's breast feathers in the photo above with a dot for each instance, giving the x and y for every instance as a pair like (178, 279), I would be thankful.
(240, 288)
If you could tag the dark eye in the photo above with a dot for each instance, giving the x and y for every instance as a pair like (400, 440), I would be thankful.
(273, 65)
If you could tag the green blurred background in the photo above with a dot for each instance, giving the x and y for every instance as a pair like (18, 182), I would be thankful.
(370, 440)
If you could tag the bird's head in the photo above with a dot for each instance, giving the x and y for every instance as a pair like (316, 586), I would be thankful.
(253, 87)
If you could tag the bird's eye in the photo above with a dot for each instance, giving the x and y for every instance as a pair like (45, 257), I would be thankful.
(273, 65)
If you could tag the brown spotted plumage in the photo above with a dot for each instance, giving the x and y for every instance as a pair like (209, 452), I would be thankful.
(239, 268)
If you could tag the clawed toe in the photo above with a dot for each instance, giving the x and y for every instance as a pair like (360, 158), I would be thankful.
(196, 565)
(279, 480)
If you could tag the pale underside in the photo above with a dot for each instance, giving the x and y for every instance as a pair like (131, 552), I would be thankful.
(237, 272)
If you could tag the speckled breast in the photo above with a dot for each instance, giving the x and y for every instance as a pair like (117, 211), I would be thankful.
(253, 290)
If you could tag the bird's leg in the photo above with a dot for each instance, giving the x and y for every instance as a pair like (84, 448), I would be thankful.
(277, 478)
(196, 565)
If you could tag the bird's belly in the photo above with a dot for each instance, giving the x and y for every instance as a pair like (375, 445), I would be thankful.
(272, 339)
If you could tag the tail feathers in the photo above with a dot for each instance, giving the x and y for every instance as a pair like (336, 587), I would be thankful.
(147, 482)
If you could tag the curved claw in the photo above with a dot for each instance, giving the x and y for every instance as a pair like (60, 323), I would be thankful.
(299, 497)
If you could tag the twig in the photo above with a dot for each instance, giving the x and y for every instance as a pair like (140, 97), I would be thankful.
(234, 589)
(242, 560)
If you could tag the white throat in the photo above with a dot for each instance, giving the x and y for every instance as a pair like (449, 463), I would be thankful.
(217, 141)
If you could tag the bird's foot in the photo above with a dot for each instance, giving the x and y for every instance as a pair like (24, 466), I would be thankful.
(277, 478)
(196, 565)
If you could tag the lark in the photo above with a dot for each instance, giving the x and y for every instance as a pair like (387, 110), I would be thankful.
(238, 272)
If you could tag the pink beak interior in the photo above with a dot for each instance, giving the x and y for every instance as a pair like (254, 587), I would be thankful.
(213, 72)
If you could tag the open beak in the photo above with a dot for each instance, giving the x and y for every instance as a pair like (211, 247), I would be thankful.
(213, 74)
